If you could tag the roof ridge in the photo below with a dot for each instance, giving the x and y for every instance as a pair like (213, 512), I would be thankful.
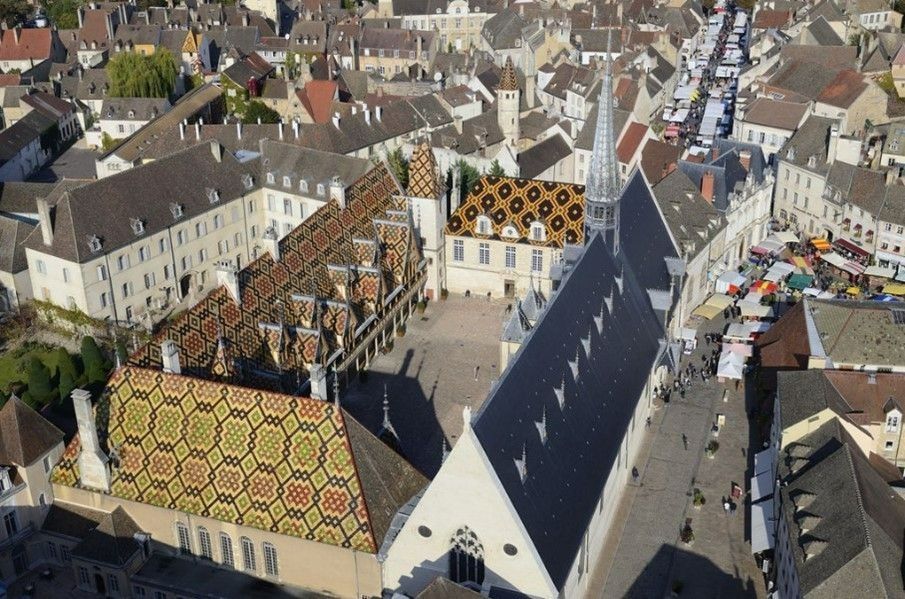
(861, 510)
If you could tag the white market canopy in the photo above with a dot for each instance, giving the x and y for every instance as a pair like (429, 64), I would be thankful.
(728, 279)
(785, 236)
(730, 366)
(753, 310)
(763, 461)
(880, 271)
(762, 526)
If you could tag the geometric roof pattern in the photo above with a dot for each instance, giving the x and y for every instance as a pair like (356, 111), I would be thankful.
(333, 273)
(423, 182)
(513, 204)
(275, 462)
(508, 79)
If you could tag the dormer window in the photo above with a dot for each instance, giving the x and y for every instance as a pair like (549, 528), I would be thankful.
(303, 186)
(138, 226)
(247, 181)
(94, 244)
(287, 182)
(270, 178)
(320, 189)
(812, 161)
(483, 225)
(892, 422)
(131, 114)
(510, 232)
(176, 210)
(213, 196)
(538, 232)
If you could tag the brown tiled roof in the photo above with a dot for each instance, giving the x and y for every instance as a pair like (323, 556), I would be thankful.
(423, 181)
(771, 19)
(508, 80)
(658, 159)
(786, 345)
(508, 201)
(630, 141)
(775, 113)
(844, 89)
(317, 97)
(32, 43)
(25, 435)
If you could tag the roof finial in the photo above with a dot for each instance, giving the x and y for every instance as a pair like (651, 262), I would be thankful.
(445, 451)
(336, 388)
(387, 425)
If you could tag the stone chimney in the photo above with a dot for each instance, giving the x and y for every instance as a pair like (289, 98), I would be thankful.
(280, 127)
(238, 129)
(271, 243)
(457, 121)
(367, 112)
(336, 120)
(378, 110)
(832, 144)
(745, 158)
(197, 131)
(182, 130)
(217, 151)
(338, 191)
(94, 470)
(45, 221)
(707, 186)
(228, 276)
(295, 129)
(169, 357)
(317, 375)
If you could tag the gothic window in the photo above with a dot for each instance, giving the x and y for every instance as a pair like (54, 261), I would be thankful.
(466, 557)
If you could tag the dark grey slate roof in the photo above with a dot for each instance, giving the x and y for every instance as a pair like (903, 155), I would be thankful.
(501, 30)
(539, 157)
(284, 159)
(566, 472)
(70, 520)
(112, 541)
(18, 197)
(727, 169)
(823, 33)
(810, 140)
(12, 253)
(804, 393)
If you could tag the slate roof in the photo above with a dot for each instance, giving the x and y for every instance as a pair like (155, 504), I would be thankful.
(775, 113)
(835, 57)
(810, 140)
(823, 34)
(112, 542)
(805, 393)
(502, 29)
(105, 208)
(133, 109)
(724, 162)
(25, 435)
(71, 520)
(311, 471)
(510, 201)
(566, 467)
(288, 160)
(585, 139)
(334, 273)
(18, 197)
(693, 221)
(541, 156)
(852, 515)
(801, 81)
(17, 136)
(12, 253)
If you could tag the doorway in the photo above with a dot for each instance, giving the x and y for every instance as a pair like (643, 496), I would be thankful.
(509, 288)
(99, 585)
(185, 285)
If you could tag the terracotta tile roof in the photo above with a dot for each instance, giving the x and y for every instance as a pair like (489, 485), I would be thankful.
(516, 203)
(423, 181)
(630, 142)
(771, 19)
(317, 97)
(843, 90)
(10, 79)
(508, 80)
(786, 345)
(658, 159)
(333, 274)
(280, 463)
(32, 43)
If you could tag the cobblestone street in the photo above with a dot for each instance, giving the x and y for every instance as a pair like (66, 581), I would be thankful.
(644, 558)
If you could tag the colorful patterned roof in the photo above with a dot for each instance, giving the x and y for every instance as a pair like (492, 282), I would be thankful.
(508, 201)
(274, 462)
(423, 182)
(333, 273)
(508, 80)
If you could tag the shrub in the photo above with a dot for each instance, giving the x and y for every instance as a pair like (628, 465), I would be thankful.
(41, 390)
(96, 365)
(687, 535)
(712, 447)
(699, 499)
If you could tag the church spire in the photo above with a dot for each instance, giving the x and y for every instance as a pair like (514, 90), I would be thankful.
(603, 186)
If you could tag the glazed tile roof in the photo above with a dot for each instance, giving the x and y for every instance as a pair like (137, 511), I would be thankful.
(508, 80)
(508, 201)
(423, 182)
(279, 463)
(333, 273)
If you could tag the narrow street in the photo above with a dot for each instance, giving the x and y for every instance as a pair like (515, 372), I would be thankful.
(645, 558)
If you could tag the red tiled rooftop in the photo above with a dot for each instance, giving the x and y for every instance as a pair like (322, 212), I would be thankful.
(630, 142)
(32, 43)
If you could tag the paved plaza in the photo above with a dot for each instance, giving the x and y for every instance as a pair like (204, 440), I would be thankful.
(430, 376)
(644, 557)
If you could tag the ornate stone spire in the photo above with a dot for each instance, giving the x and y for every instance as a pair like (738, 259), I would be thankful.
(508, 80)
(423, 181)
(603, 186)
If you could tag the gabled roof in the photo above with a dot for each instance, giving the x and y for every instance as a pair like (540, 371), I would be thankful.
(693, 221)
(775, 113)
(567, 448)
(25, 435)
(12, 253)
(423, 173)
(785, 345)
(541, 156)
(844, 89)
(112, 541)
(630, 142)
(309, 470)
(34, 44)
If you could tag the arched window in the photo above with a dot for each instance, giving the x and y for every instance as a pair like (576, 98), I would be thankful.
(226, 550)
(204, 543)
(466, 557)
(182, 536)
(248, 555)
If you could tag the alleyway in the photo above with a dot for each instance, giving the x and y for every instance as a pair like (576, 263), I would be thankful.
(645, 558)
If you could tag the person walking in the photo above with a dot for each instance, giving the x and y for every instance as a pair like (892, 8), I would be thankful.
(635, 474)
(685, 441)
(647, 422)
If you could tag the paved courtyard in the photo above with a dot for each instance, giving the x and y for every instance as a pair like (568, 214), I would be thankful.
(644, 557)
(430, 376)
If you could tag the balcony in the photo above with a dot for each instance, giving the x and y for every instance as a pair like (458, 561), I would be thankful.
(24, 532)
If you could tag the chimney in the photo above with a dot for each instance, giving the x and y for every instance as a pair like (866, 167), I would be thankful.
(272, 243)
(280, 127)
(707, 185)
(336, 120)
(238, 129)
(295, 129)
(833, 144)
(45, 221)
(317, 375)
(378, 111)
(94, 472)
(182, 130)
(367, 112)
(197, 131)
(169, 357)
(419, 45)
(714, 153)
(745, 158)
(457, 121)
(80, 13)
(891, 176)
(338, 191)
(228, 276)
(16, 34)
(217, 151)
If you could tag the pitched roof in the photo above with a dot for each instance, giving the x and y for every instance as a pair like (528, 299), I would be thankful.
(508, 80)
(630, 141)
(25, 435)
(35, 44)
(771, 19)
(694, 221)
(71, 520)
(541, 156)
(775, 113)
(805, 393)
(12, 253)
(785, 345)
(658, 159)
(509, 201)
(568, 447)
(423, 181)
(317, 96)
(112, 541)
(860, 332)
(843, 89)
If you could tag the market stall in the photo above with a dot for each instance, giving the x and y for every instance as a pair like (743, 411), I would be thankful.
(799, 282)
(730, 366)
(730, 282)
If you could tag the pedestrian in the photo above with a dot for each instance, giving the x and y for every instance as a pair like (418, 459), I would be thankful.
(647, 422)
(726, 505)
(707, 339)
(685, 441)
(635, 474)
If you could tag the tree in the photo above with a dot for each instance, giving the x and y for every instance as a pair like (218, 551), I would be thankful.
(137, 76)
(13, 12)
(469, 175)
(121, 352)
(400, 167)
(96, 365)
(496, 169)
(40, 388)
(66, 364)
(63, 13)
(259, 110)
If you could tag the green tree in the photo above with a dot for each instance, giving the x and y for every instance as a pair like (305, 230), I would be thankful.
(13, 12)
(121, 352)
(400, 167)
(41, 390)
(468, 176)
(63, 13)
(66, 364)
(256, 109)
(137, 76)
(96, 365)
(66, 385)
(496, 169)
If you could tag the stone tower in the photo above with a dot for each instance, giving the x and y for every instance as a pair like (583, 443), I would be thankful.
(507, 103)
(427, 201)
